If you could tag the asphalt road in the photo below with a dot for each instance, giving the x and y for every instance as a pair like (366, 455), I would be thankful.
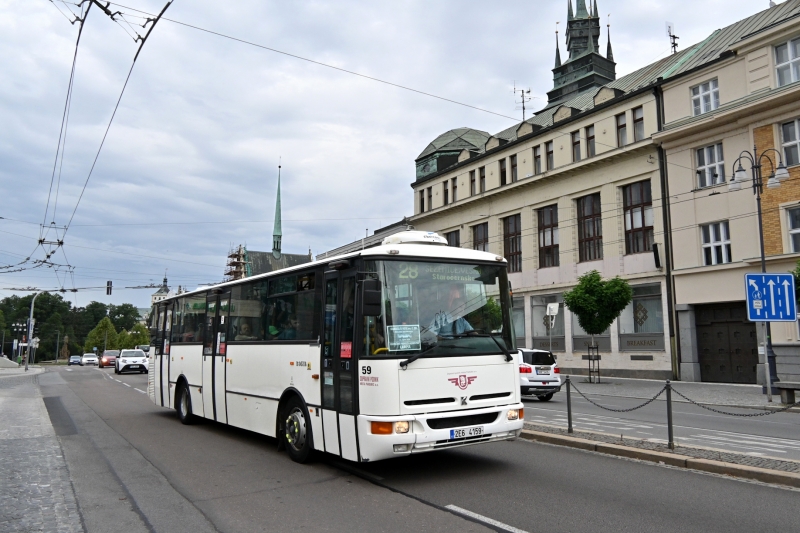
(136, 468)
(774, 435)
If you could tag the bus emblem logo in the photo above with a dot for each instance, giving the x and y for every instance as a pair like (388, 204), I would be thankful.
(463, 381)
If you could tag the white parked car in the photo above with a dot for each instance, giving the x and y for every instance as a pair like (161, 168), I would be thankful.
(131, 361)
(539, 374)
(89, 359)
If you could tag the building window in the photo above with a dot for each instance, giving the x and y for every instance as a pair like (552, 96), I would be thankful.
(548, 148)
(638, 204)
(472, 183)
(548, 236)
(638, 124)
(644, 314)
(514, 176)
(710, 165)
(512, 242)
(445, 194)
(543, 333)
(537, 160)
(705, 97)
(590, 228)
(453, 238)
(622, 130)
(787, 61)
(482, 178)
(454, 187)
(422, 201)
(480, 237)
(716, 243)
(794, 228)
(430, 198)
(590, 151)
(791, 142)
(502, 172)
(576, 146)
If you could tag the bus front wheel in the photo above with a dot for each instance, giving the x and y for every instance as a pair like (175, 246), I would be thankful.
(184, 405)
(297, 431)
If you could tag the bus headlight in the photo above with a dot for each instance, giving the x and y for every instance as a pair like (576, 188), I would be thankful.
(514, 414)
(401, 427)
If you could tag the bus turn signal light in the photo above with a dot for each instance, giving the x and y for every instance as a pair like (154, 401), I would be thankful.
(382, 428)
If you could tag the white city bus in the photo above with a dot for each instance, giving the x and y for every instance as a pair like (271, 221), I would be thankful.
(403, 348)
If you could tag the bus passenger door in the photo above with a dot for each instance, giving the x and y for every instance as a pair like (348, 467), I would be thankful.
(338, 365)
(214, 352)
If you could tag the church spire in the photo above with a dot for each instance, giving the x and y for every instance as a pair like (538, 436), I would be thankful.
(596, 13)
(581, 12)
(558, 52)
(609, 53)
(570, 16)
(276, 232)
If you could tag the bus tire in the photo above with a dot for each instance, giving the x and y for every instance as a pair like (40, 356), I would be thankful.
(183, 405)
(296, 434)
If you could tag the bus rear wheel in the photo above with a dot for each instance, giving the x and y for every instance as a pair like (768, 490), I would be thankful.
(184, 405)
(297, 431)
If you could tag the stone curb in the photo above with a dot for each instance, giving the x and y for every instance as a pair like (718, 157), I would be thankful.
(32, 371)
(705, 465)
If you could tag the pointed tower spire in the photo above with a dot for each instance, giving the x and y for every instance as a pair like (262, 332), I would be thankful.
(570, 16)
(276, 232)
(580, 10)
(609, 53)
(558, 52)
(596, 13)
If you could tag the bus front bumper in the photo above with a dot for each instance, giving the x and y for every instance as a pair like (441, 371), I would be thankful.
(437, 431)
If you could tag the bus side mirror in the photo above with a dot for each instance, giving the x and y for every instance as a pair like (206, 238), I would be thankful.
(371, 297)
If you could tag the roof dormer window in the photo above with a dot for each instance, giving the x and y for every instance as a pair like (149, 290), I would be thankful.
(705, 97)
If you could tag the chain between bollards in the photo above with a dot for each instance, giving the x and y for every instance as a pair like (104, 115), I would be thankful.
(569, 408)
(670, 434)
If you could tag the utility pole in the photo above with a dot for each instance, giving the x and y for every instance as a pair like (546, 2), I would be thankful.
(58, 338)
(30, 330)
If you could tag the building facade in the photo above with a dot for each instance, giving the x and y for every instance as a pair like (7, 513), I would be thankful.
(746, 100)
(621, 175)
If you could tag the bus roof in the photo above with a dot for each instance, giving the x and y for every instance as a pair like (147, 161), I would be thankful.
(414, 244)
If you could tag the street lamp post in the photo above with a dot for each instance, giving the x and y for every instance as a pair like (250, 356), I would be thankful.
(18, 328)
(30, 329)
(777, 175)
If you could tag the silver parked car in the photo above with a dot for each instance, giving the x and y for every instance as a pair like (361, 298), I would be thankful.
(539, 374)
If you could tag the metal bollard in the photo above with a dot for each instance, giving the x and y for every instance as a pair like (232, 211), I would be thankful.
(569, 408)
(670, 436)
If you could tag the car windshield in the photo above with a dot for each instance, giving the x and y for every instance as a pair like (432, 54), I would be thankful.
(111, 353)
(538, 358)
(439, 309)
(88, 355)
(132, 353)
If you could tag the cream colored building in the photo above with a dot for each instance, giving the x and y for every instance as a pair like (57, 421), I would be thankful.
(747, 96)
(590, 156)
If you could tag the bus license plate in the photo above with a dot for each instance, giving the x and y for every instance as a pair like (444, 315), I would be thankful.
(466, 432)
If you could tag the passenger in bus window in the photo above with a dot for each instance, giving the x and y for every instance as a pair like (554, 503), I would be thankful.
(245, 333)
(288, 331)
(451, 320)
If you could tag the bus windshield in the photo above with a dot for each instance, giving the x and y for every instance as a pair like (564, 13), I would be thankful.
(440, 309)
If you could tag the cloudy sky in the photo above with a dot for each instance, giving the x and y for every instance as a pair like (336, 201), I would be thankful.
(189, 167)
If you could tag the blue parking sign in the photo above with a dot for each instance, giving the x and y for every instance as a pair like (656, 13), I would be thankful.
(770, 297)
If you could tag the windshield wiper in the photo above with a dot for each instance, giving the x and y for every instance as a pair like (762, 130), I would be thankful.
(502, 348)
(404, 364)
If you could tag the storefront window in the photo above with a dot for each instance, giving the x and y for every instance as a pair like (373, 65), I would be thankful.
(641, 324)
(518, 317)
(541, 323)
(582, 340)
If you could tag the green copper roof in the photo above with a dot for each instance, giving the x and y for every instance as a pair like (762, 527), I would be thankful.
(457, 139)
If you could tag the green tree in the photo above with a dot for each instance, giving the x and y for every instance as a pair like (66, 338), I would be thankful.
(124, 340)
(123, 316)
(105, 334)
(598, 303)
(139, 335)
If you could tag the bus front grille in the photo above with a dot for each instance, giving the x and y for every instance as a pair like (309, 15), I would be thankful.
(461, 421)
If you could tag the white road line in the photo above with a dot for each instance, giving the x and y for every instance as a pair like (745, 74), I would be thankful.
(125, 384)
(140, 390)
(484, 519)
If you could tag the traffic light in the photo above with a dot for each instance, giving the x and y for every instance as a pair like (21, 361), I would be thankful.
(108, 288)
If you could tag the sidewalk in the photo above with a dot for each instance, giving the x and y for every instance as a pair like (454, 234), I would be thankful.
(718, 394)
(34, 480)
(11, 372)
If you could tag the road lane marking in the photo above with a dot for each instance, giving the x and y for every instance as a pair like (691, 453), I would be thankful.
(484, 519)
(126, 384)
(140, 390)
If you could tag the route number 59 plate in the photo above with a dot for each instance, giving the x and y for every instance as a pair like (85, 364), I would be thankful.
(466, 432)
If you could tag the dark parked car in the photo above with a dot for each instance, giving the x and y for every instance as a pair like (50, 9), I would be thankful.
(74, 360)
(108, 358)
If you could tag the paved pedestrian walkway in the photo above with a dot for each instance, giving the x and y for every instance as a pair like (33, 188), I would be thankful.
(706, 393)
(37, 492)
